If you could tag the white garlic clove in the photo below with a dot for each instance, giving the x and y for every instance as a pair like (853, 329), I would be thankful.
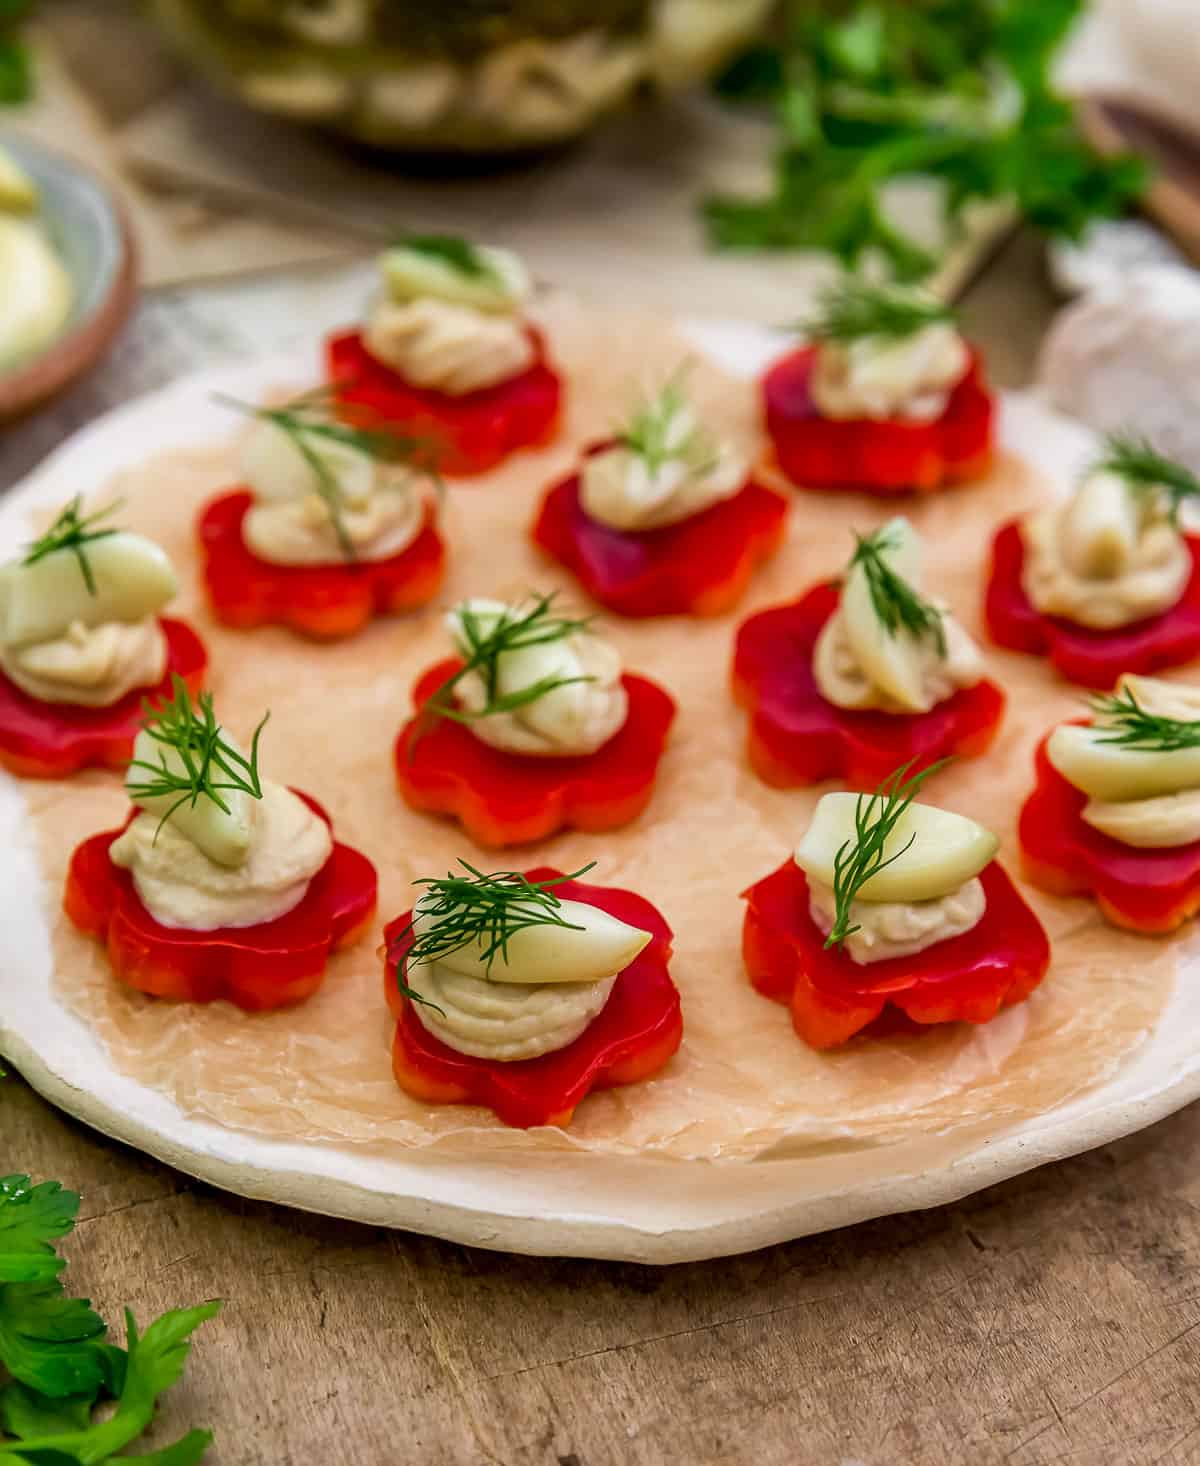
(224, 835)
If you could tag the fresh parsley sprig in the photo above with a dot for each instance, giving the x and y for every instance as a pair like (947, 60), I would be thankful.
(452, 250)
(210, 765)
(896, 603)
(74, 531)
(853, 309)
(59, 1364)
(486, 644)
(1145, 469)
(868, 92)
(308, 422)
(488, 909)
(1126, 722)
(875, 817)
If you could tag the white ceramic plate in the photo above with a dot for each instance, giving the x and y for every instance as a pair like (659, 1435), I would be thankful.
(640, 1208)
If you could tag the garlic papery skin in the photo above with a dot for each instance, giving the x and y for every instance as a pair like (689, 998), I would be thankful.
(929, 852)
(500, 285)
(536, 997)
(629, 488)
(381, 507)
(576, 718)
(877, 378)
(90, 666)
(454, 349)
(1110, 556)
(183, 886)
(888, 929)
(858, 662)
(130, 578)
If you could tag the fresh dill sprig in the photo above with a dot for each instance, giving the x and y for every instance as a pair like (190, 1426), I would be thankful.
(896, 603)
(1144, 468)
(73, 531)
(307, 421)
(485, 644)
(488, 909)
(875, 817)
(853, 309)
(652, 431)
(450, 249)
(211, 765)
(1128, 724)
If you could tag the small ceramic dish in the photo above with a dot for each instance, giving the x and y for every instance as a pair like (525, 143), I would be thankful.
(90, 231)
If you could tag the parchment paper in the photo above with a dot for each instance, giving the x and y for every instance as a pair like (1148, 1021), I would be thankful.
(743, 1086)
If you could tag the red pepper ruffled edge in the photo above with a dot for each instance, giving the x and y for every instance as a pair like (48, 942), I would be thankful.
(866, 456)
(273, 965)
(508, 799)
(633, 1037)
(796, 736)
(47, 740)
(1079, 654)
(324, 601)
(699, 567)
(968, 978)
(1150, 891)
(461, 436)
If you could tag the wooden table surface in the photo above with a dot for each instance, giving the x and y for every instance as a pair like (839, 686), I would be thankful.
(1053, 1318)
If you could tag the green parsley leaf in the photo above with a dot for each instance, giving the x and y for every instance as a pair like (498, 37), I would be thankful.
(31, 1217)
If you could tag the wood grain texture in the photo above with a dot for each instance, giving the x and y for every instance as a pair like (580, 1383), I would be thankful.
(1054, 1318)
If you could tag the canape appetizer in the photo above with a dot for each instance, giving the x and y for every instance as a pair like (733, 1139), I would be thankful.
(886, 398)
(333, 525)
(888, 903)
(854, 679)
(82, 643)
(662, 520)
(220, 884)
(1107, 582)
(531, 728)
(448, 356)
(1115, 813)
(524, 992)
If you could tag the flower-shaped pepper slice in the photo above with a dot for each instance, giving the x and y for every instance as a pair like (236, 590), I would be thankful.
(968, 978)
(698, 567)
(502, 798)
(1081, 654)
(877, 352)
(797, 736)
(271, 965)
(323, 601)
(637, 1031)
(1152, 887)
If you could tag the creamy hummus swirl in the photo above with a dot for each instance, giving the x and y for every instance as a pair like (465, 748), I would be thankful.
(504, 1021)
(873, 377)
(889, 929)
(448, 348)
(90, 666)
(842, 680)
(577, 717)
(181, 886)
(1158, 823)
(380, 507)
(1108, 557)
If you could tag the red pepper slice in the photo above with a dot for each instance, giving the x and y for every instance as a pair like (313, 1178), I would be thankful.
(632, 1037)
(870, 456)
(1079, 653)
(968, 978)
(466, 435)
(326, 601)
(797, 737)
(699, 567)
(1145, 890)
(504, 798)
(257, 967)
(50, 740)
